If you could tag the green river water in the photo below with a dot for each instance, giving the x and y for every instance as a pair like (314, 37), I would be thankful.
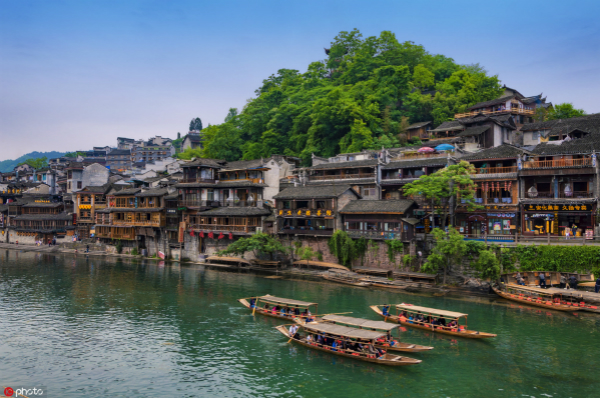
(91, 327)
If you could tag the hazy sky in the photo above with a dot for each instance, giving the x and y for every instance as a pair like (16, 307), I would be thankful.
(77, 74)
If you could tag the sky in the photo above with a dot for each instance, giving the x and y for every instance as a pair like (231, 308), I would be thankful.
(78, 74)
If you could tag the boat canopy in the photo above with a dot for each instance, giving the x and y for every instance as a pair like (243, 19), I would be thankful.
(320, 264)
(364, 323)
(344, 331)
(433, 311)
(278, 300)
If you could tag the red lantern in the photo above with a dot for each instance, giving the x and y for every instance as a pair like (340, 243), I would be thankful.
(202, 234)
(211, 235)
(221, 236)
(192, 232)
(230, 236)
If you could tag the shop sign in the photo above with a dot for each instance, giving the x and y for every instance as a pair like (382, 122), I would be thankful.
(172, 211)
(544, 215)
(501, 215)
(558, 207)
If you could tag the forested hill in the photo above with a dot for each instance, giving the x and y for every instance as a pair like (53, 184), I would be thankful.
(354, 99)
(9, 165)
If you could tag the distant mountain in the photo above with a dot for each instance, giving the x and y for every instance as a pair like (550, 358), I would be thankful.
(9, 165)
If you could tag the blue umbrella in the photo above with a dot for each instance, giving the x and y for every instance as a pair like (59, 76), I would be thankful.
(444, 147)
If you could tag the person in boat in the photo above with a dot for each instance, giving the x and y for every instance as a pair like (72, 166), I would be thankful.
(429, 320)
(252, 302)
(435, 321)
(309, 338)
(266, 307)
(294, 332)
(420, 318)
(563, 282)
(453, 324)
(519, 279)
(402, 317)
(597, 286)
(385, 310)
(442, 322)
(334, 345)
(297, 311)
(410, 319)
(320, 339)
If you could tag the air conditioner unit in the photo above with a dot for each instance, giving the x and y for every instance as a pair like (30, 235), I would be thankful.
(259, 229)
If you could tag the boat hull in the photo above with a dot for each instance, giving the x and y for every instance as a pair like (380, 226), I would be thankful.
(469, 334)
(387, 359)
(260, 311)
(560, 307)
(346, 282)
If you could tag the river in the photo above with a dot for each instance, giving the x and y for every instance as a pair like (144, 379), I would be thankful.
(92, 327)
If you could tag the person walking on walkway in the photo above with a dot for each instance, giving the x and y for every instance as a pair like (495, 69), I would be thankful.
(597, 287)
(542, 280)
(574, 229)
(573, 282)
(567, 233)
(563, 282)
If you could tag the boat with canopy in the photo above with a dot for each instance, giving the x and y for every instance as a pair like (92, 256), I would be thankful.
(404, 311)
(388, 343)
(345, 341)
(539, 298)
(346, 280)
(273, 306)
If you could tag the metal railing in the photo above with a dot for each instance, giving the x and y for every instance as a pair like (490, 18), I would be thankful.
(520, 111)
(562, 195)
(548, 164)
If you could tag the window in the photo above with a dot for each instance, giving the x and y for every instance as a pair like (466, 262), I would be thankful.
(535, 135)
(69, 185)
(79, 184)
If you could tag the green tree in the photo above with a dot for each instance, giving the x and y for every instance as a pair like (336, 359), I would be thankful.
(449, 249)
(259, 243)
(446, 189)
(306, 253)
(195, 124)
(488, 265)
(423, 78)
(74, 154)
(564, 111)
(190, 153)
(37, 163)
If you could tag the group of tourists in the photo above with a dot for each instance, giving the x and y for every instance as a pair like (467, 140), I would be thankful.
(42, 242)
(334, 343)
(572, 281)
(284, 311)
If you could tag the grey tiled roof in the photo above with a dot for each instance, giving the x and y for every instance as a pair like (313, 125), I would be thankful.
(492, 102)
(345, 181)
(50, 205)
(588, 123)
(402, 164)
(237, 212)
(449, 126)
(309, 192)
(585, 145)
(500, 152)
(472, 131)
(418, 125)
(378, 206)
(204, 162)
(341, 165)
(129, 191)
(244, 164)
(153, 192)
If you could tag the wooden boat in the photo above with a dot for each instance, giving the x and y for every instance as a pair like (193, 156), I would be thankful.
(346, 280)
(449, 315)
(276, 301)
(347, 334)
(535, 297)
(227, 262)
(371, 325)
(385, 284)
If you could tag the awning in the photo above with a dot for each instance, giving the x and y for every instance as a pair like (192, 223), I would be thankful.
(433, 311)
(278, 300)
(365, 323)
(344, 331)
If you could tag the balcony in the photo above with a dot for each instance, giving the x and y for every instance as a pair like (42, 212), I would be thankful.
(400, 177)
(496, 170)
(342, 176)
(356, 234)
(417, 155)
(561, 195)
(198, 180)
(518, 111)
(494, 201)
(132, 223)
(558, 163)
(306, 231)
(241, 203)
(197, 203)
(223, 228)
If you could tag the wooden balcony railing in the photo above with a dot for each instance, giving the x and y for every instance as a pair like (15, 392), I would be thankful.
(343, 176)
(306, 231)
(197, 203)
(416, 155)
(375, 234)
(519, 111)
(397, 177)
(222, 228)
(549, 164)
(198, 180)
(241, 203)
(495, 170)
(147, 223)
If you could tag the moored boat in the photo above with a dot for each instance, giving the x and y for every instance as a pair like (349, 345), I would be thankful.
(537, 298)
(403, 311)
(347, 280)
(388, 343)
(273, 305)
(347, 342)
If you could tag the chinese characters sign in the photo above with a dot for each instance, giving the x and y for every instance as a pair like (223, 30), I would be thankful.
(305, 213)
(558, 207)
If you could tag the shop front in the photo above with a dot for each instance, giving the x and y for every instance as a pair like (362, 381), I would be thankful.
(555, 219)
(479, 224)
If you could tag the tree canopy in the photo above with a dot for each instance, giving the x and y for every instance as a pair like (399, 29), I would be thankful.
(195, 124)
(36, 163)
(259, 243)
(354, 99)
(564, 111)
